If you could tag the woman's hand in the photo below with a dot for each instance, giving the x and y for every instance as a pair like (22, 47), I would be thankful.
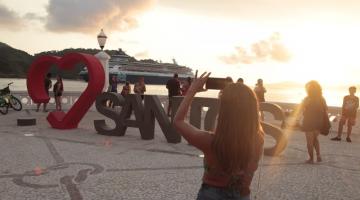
(193, 135)
(198, 84)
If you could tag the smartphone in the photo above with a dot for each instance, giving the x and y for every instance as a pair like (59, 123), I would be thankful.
(217, 83)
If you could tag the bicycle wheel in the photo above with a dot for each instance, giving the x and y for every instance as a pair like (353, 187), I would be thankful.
(15, 103)
(4, 109)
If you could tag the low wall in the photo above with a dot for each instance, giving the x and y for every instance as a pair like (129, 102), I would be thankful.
(292, 106)
(68, 99)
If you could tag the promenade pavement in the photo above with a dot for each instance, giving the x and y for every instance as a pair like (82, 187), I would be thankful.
(38, 163)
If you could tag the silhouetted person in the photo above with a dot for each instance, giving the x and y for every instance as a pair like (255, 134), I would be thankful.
(348, 114)
(173, 86)
(260, 90)
(240, 80)
(313, 108)
(260, 93)
(58, 91)
(48, 85)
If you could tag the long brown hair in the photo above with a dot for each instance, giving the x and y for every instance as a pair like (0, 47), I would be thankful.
(238, 131)
(313, 89)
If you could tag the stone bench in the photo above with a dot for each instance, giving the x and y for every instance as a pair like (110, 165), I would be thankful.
(26, 121)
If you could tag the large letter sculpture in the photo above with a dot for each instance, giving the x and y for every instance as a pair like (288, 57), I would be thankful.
(145, 115)
(145, 118)
(36, 86)
(274, 131)
(213, 109)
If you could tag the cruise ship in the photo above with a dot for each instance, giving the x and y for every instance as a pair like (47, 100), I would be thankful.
(153, 72)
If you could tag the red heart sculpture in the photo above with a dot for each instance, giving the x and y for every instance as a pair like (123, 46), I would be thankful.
(36, 86)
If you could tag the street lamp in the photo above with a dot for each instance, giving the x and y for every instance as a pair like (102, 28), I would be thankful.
(103, 57)
(102, 39)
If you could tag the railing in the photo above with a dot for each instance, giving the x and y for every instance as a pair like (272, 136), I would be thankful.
(67, 100)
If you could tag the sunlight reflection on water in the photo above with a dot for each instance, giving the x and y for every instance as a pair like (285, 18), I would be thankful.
(276, 92)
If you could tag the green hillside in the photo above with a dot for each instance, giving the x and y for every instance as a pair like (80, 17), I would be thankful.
(14, 63)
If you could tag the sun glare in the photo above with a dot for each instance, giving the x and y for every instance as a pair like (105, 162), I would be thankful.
(327, 54)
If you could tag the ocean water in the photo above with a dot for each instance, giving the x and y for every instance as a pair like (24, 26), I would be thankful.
(279, 92)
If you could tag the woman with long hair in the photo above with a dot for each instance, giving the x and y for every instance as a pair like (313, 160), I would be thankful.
(313, 108)
(232, 151)
(58, 90)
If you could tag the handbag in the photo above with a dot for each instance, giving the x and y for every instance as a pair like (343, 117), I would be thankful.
(325, 128)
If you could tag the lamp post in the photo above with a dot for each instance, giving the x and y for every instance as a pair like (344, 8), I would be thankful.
(103, 57)
(102, 39)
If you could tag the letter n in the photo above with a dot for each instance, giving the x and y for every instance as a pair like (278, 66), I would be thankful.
(153, 109)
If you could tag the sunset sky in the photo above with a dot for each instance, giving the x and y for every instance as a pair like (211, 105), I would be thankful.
(277, 40)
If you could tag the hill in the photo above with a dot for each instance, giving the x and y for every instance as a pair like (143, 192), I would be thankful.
(73, 74)
(14, 62)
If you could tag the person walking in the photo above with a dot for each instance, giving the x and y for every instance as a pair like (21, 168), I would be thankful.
(173, 86)
(348, 114)
(233, 150)
(58, 90)
(48, 85)
(140, 88)
(314, 108)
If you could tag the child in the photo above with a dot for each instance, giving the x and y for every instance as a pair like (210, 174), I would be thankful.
(349, 110)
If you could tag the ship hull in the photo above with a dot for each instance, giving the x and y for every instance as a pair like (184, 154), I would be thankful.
(132, 78)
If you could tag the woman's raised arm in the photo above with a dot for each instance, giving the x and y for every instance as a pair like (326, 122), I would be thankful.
(192, 134)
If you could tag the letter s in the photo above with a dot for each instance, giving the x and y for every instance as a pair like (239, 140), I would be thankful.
(100, 125)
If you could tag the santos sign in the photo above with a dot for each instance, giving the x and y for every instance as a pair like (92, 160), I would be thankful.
(144, 112)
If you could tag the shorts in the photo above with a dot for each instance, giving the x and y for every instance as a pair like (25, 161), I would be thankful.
(350, 120)
(57, 94)
(208, 192)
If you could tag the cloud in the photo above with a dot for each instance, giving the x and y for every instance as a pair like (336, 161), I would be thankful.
(261, 51)
(34, 17)
(89, 16)
(9, 19)
(266, 10)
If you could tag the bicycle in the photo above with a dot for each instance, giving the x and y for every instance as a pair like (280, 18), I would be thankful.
(8, 100)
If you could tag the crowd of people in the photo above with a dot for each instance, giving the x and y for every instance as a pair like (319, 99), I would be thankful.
(139, 87)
